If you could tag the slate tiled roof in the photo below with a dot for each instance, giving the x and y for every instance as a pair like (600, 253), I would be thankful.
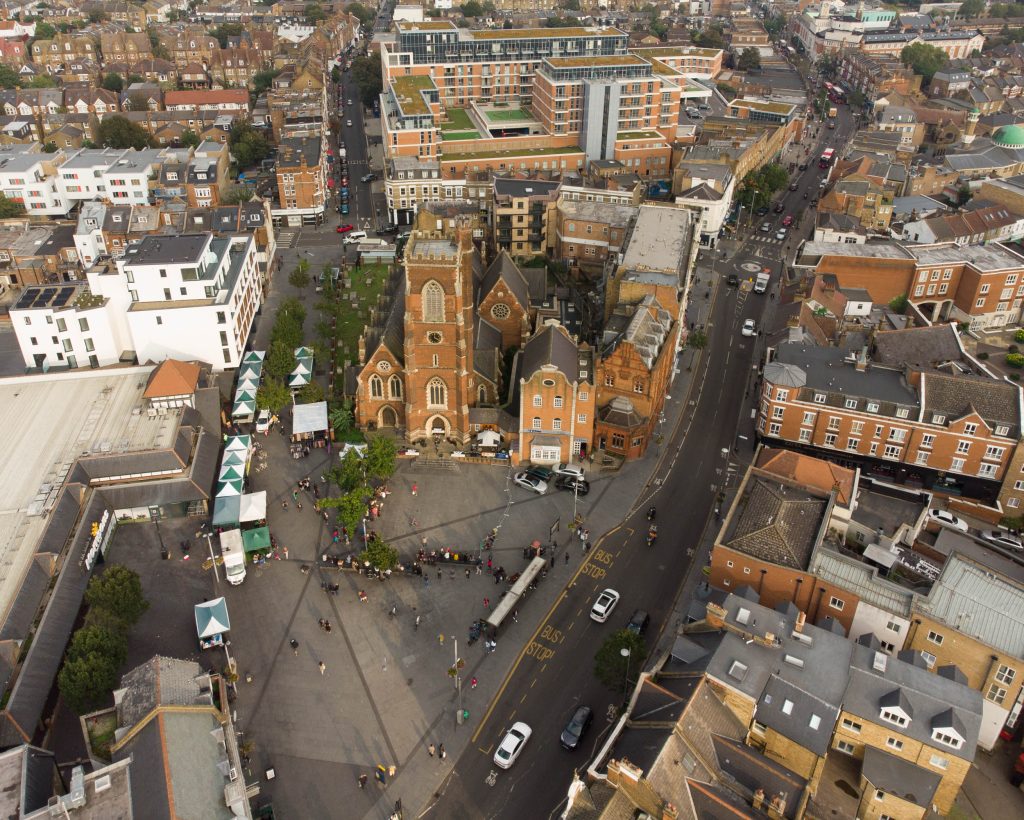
(957, 396)
(900, 777)
(919, 347)
(777, 523)
(551, 346)
(158, 682)
(504, 269)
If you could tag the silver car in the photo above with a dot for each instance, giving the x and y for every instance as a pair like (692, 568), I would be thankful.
(531, 483)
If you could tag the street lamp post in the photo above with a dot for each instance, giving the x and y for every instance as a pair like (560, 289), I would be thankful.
(625, 653)
(209, 544)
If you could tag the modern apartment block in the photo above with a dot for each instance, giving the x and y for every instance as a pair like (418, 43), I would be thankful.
(190, 297)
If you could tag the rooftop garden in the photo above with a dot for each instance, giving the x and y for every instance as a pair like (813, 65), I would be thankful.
(460, 135)
(507, 115)
(518, 152)
(458, 120)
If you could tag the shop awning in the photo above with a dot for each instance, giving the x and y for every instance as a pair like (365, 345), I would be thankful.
(257, 539)
(253, 507)
(243, 408)
(254, 356)
(212, 618)
(225, 510)
(309, 418)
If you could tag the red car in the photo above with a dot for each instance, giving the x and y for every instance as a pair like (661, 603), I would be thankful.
(787, 220)
(344, 228)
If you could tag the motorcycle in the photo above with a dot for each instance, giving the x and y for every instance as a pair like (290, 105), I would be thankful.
(652, 535)
(651, 513)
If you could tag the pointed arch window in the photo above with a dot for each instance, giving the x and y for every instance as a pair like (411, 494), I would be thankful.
(437, 393)
(395, 387)
(376, 387)
(433, 302)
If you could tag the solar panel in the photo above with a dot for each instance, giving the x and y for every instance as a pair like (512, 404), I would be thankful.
(26, 300)
(63, 296)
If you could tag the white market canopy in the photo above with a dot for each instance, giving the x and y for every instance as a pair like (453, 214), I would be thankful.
(237, 443)
(309, 418)
(253, 507)
(212, 618)
(488, 438)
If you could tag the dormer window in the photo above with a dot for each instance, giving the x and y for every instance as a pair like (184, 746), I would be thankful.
(895, 716)
(938, 419)
(116, 217)
(947, 738)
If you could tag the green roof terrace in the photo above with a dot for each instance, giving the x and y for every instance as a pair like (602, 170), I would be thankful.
(408, 92)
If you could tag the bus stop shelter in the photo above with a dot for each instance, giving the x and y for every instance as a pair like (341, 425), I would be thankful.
(510, 602)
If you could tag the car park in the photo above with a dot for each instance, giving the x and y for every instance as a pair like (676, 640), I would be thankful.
(1002, 538)
(573, 484)
(531, 483)
(577, 726)
(604, 605)
(511, 745)
(947, 519)
(749, 328)
(638, 622)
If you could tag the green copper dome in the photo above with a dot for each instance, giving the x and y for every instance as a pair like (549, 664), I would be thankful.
(1009, 136)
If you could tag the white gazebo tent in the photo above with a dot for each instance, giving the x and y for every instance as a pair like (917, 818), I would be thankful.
(309, 419)
(253, 507)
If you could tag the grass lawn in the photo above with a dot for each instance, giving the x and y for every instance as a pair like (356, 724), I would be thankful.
(460, 135)
(458, 120)
(352, 318)
(511, 115)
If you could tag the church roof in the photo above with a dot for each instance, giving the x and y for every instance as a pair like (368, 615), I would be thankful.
(393, 335)
(504, 268)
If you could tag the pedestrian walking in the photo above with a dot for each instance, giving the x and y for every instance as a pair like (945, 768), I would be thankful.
(295, 646)
(488, 563)
(295, 495)
(487, 603)
(298, 505)
(284, 505)
(415, 489)
(362, 781)
(472, 684)
(286, 553)
(416, 623)
(451, 575)
(467, 574)
(441, 753)
(384, 666)
(552, 559)
(323, 668)
(567, 557)
(440, 639)
(479, 569)
(430, 750)
(515, 616)
(586, 547)
(438, 573)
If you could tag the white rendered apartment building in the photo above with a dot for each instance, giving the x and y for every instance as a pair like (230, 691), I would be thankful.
(28, 176)
(120, 175)
(189, 297)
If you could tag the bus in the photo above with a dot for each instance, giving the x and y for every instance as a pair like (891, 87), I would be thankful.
(826, 158)
(835, 94)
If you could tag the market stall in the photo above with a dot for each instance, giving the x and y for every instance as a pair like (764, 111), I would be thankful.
(253, 507)
(256, 539)
(212, 622)
(226, 509)
(309, 427)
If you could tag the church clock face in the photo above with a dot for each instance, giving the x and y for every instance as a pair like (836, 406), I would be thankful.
(500, 311)
(434, 337)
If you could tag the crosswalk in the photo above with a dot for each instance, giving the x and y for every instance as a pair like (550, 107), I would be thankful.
(287, 238)
(767, 239)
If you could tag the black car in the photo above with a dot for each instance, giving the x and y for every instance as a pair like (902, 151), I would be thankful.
(577, 727)
(802, 166)
(368, 177)
(779, 207)
(543, 473)
(732, 280)
(387, 229)
(761, 211)
(573, 484)
(638, 622)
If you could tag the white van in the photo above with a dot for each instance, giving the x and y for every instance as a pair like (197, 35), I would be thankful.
(354, 236)
(233, 553)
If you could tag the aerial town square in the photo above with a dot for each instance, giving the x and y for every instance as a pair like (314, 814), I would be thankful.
(511, 409)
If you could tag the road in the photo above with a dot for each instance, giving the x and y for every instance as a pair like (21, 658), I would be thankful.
(353, 138)
(554, 672)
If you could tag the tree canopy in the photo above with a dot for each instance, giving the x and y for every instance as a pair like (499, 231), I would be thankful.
(226, 30)
(118, 591)
(366, 73)
(923, 59)
(314, 13)
(9, 77)
(380, 457)
(759, 186)
(366, 16)
(273, 394)
(611, 667)
(711, 37)
(750, 60)
(113, 82)
(9, 208)
(262, 80)
(970, 9)
(116, 131)
(248, 145)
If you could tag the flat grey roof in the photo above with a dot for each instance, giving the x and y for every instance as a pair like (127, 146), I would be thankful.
(826, 370)
(167, 250)
(660, 239)
(871, 250)
(609, 212)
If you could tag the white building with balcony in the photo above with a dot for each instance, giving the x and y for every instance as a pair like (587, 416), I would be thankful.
(120, 175)
(28, 176)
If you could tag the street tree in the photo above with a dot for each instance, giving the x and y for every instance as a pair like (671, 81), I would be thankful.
(280, 359)
(299, 278)
(85, 683)
(118, 591)
(342, 419)
(380, 457)
(611, 666)
(273, 394)
(351, 506)
(923, 59)
(749, 60)
(366, 72)
(310, 393)
(775, 25)
(99, 639)
(9, 208)
(350, 472)
(365, 15)
(698, 340)
(379, 554)
(288, 323)
(116, 131)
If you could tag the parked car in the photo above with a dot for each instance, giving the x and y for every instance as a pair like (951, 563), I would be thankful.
(762, 211)
(766, 227)
(604, 605)
(802, 166)
(541, 472)
(947, 519)
(348, 102)
(787, 220)
(749, 328)
(779, 207)
(531, 483)
(577, 726)
(569, 469)
(638, 622)
(263, 421)
(348, 123)
(511, 745)
(573, 484)
(780, 233)
(368, 177)
(1002, 538)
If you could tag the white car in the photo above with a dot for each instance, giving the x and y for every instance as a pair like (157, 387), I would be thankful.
(348, 123)
(947, 519)
(511, 745)
(263, 421)
(348, 102)
(571, 470)
(749, 328)
(1001, 538)
(531, 482)
(604, 605)
(780, 233)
